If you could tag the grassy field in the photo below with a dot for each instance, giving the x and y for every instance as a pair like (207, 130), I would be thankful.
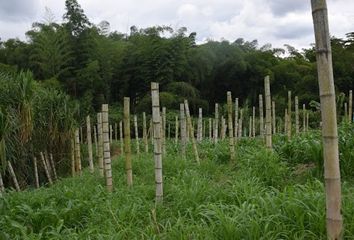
(262, 195)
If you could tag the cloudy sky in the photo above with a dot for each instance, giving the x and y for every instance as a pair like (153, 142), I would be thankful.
(270, 21)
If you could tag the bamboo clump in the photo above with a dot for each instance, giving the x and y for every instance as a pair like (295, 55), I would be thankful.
(334, 221)
(106, 148)
(127, 140)
(157, 141)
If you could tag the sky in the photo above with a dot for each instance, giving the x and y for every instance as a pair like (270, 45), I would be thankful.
(277, 22)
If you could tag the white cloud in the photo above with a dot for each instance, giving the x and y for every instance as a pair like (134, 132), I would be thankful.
(270, 21)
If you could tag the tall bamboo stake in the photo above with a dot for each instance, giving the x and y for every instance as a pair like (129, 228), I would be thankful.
(304, 117)
(13, 176)
(145, 138)
(49, 165)
(36, 177)
(183, 124)
(191, 131)
(297, 127)
(81, 137)
(345, 112)
(289, 116)
(240, 124)
(236, 119)
(254, 121)
(199, 126)
(231, 130)
(163, 135)
(210, 129)
(2, 188)
(77, 152)
(274, 127)
(286, 121)
(176, 129)
(136, 134)
(307, 120)
(204, 128)
(73, 171)
(329, 119)
(350, 106)
(107, 148)
(115, 131)
(261, 120)
(53, 166)
(151, 132)
(121, 137)
(95, 140)
(157, 141)
(216, 123)
(127, 147)
(46, 169)
(89, 143)
(100, 144)
(110, 134)
(250, 127)
(268, 120)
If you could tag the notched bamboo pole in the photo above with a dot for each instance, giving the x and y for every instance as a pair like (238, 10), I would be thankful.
(231, 130)
(107, 148)
(297, 127)
(127, 146)
(199, 125)
(268, 120)
(89, 144)
(77, 152)
(329, 120)
(216, 123)
(236, 120)
(100, 144)
(156, 119)
(261, 114)
(288, 125)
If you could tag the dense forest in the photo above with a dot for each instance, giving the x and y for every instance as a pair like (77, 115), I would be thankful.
(95, 65)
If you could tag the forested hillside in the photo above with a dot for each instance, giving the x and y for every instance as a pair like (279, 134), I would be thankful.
(96, 65)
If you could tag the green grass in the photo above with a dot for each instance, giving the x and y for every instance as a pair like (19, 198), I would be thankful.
(257, 197)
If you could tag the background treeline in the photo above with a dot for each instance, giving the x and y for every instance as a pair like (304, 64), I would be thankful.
(95, 65)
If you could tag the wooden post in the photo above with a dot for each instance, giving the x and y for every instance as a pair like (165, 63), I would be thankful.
(77, 152)
(274, 127)
(268, 120)
(254, 122)
(106, 148)
(13, 176)
(36, 177)
(46, 168)
(53, 166)
(127, 147)
(236, 119)
(304, 117)
(121, 137)
(297, 127)
(100, 144)
(231, 130)
(329, 120)
(216, 123)
(191, 131)
(183, 130)
(350, 106)
(200, 127)
(261, 121)
(136, 134)
(145, 138)
(89, 143)
(157, 141)
(176, 129)
(288, 125)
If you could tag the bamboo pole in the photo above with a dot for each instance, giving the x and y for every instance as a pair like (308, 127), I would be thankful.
(89, 143)
(136, 134)
(289, 116)
(145, 138)
(36, 177)
(107, 148)
(236, 119)
(345, 112)
(268, 119)
(307, 120)
(49, 165)
(216, 123)
(81, 137)
(240, 124)
(163, 135)
(151, 132)
(121, 137)
(100, 144)
(254, 122)
(127, 147)
(115, 131)
(329, 120)
(157, 141)
(210, 129)
(191, 131)
(13, 176)
(176, 129)
(77, 152)
(286, 121)
(274, 127)
(350, 106)
(110, 134)
(261, 120)
(95, 140)
(73, 171)
(46, 169)
(183, 130)
(231, 130)
(297, 125)
(199, 125)
(250, 127)
(2, 188)
(53, 166)
(304, 117)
